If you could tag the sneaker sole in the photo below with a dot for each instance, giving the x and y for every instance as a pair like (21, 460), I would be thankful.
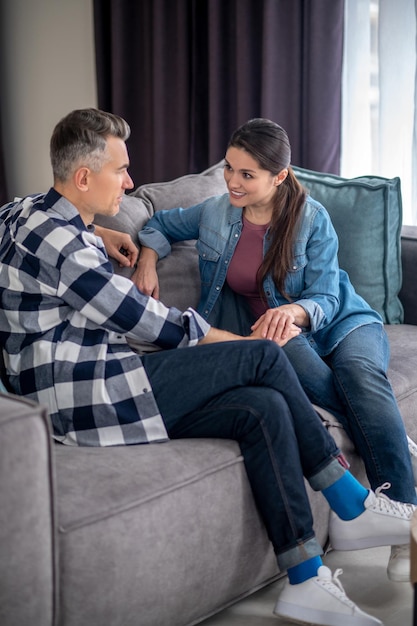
(361, 543)
(301, 615)
(398, 578)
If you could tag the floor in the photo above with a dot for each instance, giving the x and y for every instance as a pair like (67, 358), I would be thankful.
(364, 580)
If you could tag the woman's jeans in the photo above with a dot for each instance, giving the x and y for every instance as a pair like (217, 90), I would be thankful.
(352, 384)
(248, 391)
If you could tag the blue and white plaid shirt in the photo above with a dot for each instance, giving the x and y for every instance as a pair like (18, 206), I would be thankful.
(64, 322)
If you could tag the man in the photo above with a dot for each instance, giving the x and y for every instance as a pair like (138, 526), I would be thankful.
(65, 319)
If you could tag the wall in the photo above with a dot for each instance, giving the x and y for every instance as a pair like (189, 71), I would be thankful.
(47, 68)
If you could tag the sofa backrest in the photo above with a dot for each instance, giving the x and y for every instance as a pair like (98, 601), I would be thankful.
(366, 213)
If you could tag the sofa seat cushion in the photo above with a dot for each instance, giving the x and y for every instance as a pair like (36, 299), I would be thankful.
(141, 519)
(115, 479)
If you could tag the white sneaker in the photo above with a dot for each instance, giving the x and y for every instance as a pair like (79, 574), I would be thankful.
(383, 523)
(398, 568)
(321, 600)
(412, 447)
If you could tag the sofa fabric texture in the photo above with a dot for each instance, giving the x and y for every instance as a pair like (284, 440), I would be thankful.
(168, 534)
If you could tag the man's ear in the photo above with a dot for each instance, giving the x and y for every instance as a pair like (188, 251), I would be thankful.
(81, 178)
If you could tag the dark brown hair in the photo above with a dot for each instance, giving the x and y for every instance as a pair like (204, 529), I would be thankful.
(268, 144)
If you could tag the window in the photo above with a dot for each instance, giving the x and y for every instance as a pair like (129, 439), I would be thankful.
(379, 94)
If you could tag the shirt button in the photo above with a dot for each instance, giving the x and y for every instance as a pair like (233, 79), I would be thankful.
(217, 288)
(294, 267)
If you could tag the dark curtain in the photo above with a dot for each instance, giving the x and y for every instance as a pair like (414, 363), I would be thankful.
(186, 73)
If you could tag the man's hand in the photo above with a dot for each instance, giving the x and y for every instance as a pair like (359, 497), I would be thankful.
(145, 276)
(215, 335)
(281, 324)
(119, 246)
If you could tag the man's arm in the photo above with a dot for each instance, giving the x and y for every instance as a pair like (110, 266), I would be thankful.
(216, 335)
(145, 276)
(118, 245)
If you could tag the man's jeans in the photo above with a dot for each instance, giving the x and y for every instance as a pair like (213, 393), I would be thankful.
(248, 391)
(352, 384)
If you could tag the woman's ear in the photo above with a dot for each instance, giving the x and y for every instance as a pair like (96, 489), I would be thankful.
(279, 178)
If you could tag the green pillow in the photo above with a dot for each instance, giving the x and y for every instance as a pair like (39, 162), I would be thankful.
(367, 215)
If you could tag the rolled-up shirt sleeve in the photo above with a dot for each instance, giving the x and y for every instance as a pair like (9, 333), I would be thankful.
(91, 290)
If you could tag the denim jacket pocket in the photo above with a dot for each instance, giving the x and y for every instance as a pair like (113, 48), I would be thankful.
(208, 259)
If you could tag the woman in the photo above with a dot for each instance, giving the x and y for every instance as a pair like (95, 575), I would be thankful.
(268, 258)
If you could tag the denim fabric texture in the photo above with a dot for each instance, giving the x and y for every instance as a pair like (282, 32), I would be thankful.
(255, 398)
(352, 384)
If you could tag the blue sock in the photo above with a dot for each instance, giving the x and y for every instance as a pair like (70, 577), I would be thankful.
(303, 571)
(346, 497)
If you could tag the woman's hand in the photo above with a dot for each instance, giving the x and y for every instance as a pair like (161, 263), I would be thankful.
(281, 324)
(293, 331)
(145, 276)
(119, 246)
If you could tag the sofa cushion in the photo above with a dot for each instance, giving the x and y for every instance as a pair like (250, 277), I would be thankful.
(178, 273)
(132, 216)
(366, 213)
(155, 520)
(184, 191)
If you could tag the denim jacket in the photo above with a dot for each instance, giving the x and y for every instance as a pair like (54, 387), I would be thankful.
(315, 280)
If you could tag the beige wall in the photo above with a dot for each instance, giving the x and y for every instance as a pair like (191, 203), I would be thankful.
(47, 68)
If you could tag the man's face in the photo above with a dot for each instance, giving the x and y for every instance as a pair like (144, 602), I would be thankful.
(107, 187)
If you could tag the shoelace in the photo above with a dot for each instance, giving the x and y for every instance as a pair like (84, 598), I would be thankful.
(412, 446)
(385, 505)
(335, 587)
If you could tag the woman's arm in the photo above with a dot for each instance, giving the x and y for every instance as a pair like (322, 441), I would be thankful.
(314, 287)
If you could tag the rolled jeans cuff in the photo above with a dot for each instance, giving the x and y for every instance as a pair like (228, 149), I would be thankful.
(327, 476)
(299, 554)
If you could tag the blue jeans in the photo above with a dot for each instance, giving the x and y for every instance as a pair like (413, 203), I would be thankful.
(248, 391)
(352, 384)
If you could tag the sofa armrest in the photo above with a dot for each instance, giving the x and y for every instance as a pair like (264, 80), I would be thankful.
(27, 528)
(408, 293)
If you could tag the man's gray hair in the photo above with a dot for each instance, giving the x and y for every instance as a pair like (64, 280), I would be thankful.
(80, 139)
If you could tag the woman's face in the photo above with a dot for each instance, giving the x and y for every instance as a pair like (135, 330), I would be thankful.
(247, 183)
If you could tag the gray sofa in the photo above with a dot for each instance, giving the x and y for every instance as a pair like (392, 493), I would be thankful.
(168, 534)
